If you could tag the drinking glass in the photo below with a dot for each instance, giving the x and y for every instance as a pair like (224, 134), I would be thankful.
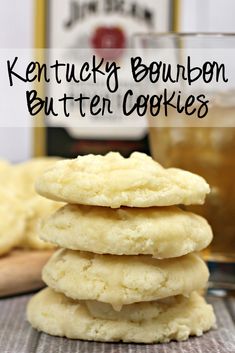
(206, 148)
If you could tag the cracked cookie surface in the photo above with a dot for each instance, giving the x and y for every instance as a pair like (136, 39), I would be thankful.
(114, 181)
(127, 231)
(152, 322)
(121, 280)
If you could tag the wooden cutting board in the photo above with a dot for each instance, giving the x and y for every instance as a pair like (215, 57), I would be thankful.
(20, 271)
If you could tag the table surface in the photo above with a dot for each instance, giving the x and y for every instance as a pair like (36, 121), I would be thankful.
(17, 336)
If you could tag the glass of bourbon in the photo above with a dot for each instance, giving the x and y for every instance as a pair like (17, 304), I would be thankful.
(203, 146)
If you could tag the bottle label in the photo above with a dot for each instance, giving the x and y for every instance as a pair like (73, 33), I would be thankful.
(97, 24)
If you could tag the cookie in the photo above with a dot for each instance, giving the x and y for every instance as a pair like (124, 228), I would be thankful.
(26, 174)
(114, 181)
(121, 280)
(36, 207)
(7, 177)
(13, 221)
(5, 167)
(159, 321)
(127, 231)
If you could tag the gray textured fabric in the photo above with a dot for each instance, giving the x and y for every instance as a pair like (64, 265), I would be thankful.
(16, 335)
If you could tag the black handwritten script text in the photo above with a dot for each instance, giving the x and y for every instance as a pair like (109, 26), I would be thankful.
(88, 76)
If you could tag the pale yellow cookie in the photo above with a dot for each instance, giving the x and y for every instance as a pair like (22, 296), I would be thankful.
(36, 206)
(27, 172)
(7, 176)
(12, 221)
(4, 168)
(159, 321)
(115, 181)
(121, 280)
(162, 232)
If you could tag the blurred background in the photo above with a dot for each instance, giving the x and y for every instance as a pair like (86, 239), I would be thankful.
(19, 20)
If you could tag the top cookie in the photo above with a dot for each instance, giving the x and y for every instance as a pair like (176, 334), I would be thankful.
(114, 181)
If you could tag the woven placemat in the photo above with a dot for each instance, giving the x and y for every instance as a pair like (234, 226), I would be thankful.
(17, 336)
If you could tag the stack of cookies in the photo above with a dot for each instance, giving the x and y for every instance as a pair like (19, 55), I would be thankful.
(128, 269)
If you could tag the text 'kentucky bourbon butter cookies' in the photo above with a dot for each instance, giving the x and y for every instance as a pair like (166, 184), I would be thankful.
(121, 280)
(152, 322)
(114, 181)
(127, 231)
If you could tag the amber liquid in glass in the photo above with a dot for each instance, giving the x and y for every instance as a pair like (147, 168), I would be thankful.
(208, 152)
